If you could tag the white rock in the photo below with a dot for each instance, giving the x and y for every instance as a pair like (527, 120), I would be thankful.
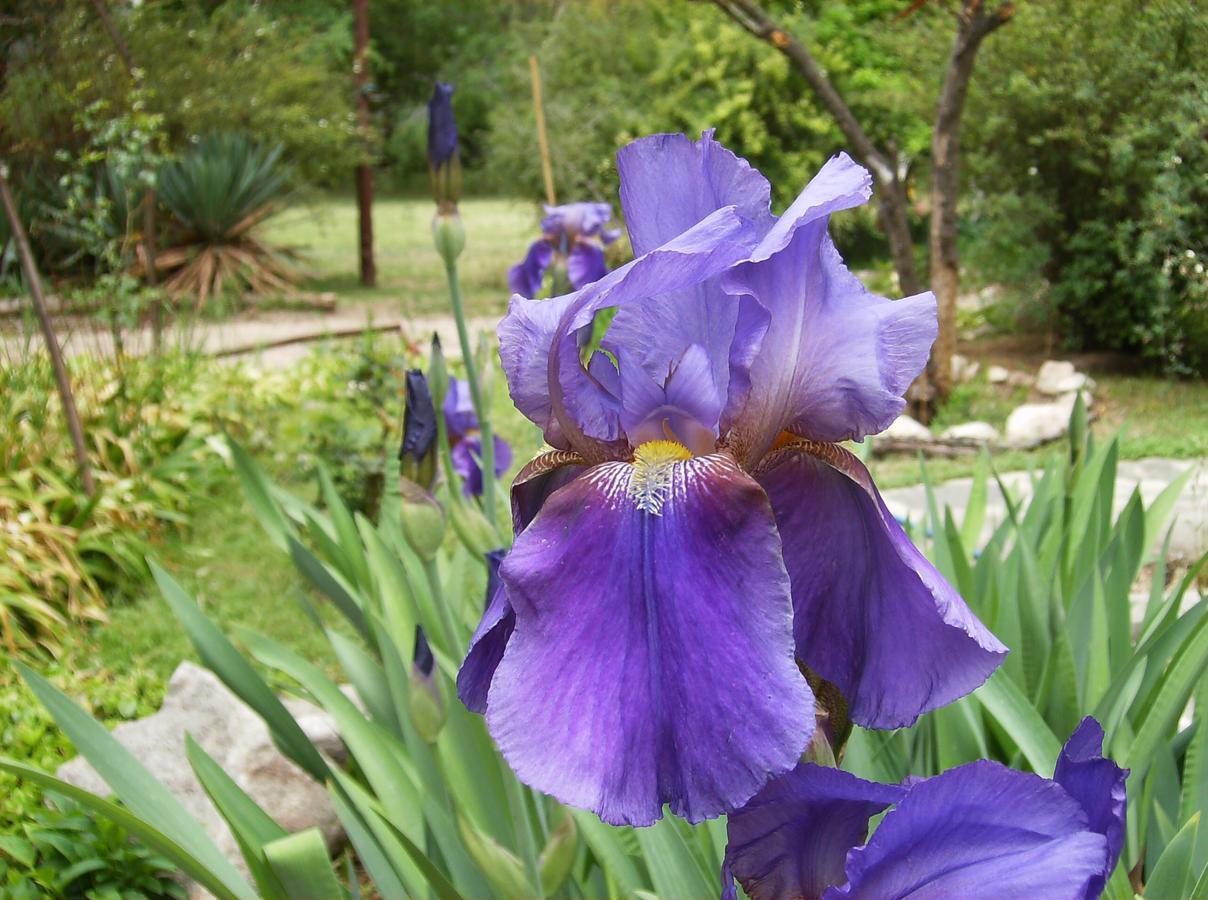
(1033, 424)
(905, 428)
(997, 375)
(1020, 379)
(1057, 377)
(201, 705)
(963, 368)
(978, 432)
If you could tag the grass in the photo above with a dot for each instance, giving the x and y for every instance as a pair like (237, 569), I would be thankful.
(409, 272)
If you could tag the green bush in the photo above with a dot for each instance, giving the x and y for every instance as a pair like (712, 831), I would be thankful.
(65, 851)
(146, 424)
(1087, 153)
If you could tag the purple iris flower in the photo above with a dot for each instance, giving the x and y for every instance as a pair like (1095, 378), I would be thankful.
(975, 830)
(698, 529)
(465, 441)
(573, 234)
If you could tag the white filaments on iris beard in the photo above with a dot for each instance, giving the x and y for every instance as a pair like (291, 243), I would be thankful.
(653, 473)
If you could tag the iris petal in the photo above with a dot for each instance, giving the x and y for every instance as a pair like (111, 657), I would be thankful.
(535, 482)
(652, 659)
(871, 614)
(836, 359)
(792, 838)
(1098, 784)
(584, 264)
(670, 182)
(977, 828)
(526, 276)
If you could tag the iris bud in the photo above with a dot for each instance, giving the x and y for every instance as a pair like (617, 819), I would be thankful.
(559, 853)
(428, 707)
(423, 517)
(448, 235)
(444, 156)
(495, 861)
(472, 528)
(438, 374)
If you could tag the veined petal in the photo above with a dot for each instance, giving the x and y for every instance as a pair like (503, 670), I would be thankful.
(977, 830)
(670, 182)
(538, 344)
(585, 264)
(792, 838)
(460, 417)
(1098, 784)
(684, 400)
(526, 276)
(836, 359)
(652, 660)
(534, 484)
(871, 614)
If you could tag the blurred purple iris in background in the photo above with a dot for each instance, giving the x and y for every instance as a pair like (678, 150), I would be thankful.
(572, 235)
(465, 442)
(698, 529)
(977, 830)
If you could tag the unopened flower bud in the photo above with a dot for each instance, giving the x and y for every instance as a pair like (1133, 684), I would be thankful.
(428, 707)
(444, 156)
(417, 454)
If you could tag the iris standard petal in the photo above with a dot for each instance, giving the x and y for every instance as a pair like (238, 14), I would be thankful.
(652, 659)
(792, 838)
(537, 339)
(684, 402)
(526, 276)
(1098, 784)
(583, 218)
(585, 264)
(670, 182)
(533, 485)
(871, 614)
(836, 359)
(467, 462)
(977, 830)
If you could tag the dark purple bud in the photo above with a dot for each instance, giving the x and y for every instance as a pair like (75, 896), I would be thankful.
(417, 453)
(424, 660)
(444, 163)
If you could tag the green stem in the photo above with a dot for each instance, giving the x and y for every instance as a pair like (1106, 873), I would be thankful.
(522, 822)
(484, 422)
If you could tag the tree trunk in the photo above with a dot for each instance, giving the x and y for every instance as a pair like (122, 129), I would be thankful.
(29, 267)
(891, 193)
(364, 172)
(974, 24)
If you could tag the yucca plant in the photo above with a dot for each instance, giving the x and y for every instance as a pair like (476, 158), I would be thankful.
(219, 194)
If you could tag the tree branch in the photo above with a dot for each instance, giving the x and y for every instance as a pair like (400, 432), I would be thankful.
(755, 20)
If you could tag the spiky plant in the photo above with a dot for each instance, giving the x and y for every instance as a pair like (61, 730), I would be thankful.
(219, 194)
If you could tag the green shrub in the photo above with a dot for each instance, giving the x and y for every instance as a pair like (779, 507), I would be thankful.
(1087, 154)
(146, 423)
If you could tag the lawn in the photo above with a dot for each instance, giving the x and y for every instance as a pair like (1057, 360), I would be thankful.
(408, 270)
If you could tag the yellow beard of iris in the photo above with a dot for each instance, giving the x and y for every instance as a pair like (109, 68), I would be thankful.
(653, 465)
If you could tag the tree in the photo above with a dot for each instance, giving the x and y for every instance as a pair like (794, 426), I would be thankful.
(974, 23)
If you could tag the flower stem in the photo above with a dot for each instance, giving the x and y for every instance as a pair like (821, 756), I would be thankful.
(480, 410)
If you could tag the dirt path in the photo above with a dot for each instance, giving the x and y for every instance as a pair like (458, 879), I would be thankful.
(277, 338)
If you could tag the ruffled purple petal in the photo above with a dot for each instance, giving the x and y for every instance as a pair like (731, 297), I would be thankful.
(526, 276)
(684, 404)
(871, 614)
(585, 264)
(792, 838)
(976, 831)
(532, 488)
(669, 183)
(574, 219)
(652, 659)
(1098, 784)
(467, 462)
(538, 345)
(836, 359)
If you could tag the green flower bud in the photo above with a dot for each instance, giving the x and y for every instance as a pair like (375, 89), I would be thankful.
(448, 235)
(428, 707)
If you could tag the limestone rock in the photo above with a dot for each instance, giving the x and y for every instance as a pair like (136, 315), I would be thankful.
(1058, 377)
(978, 432)
(201, 705)
(1033, 424)
(963, 368)
(907, 429)
(997, 375)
